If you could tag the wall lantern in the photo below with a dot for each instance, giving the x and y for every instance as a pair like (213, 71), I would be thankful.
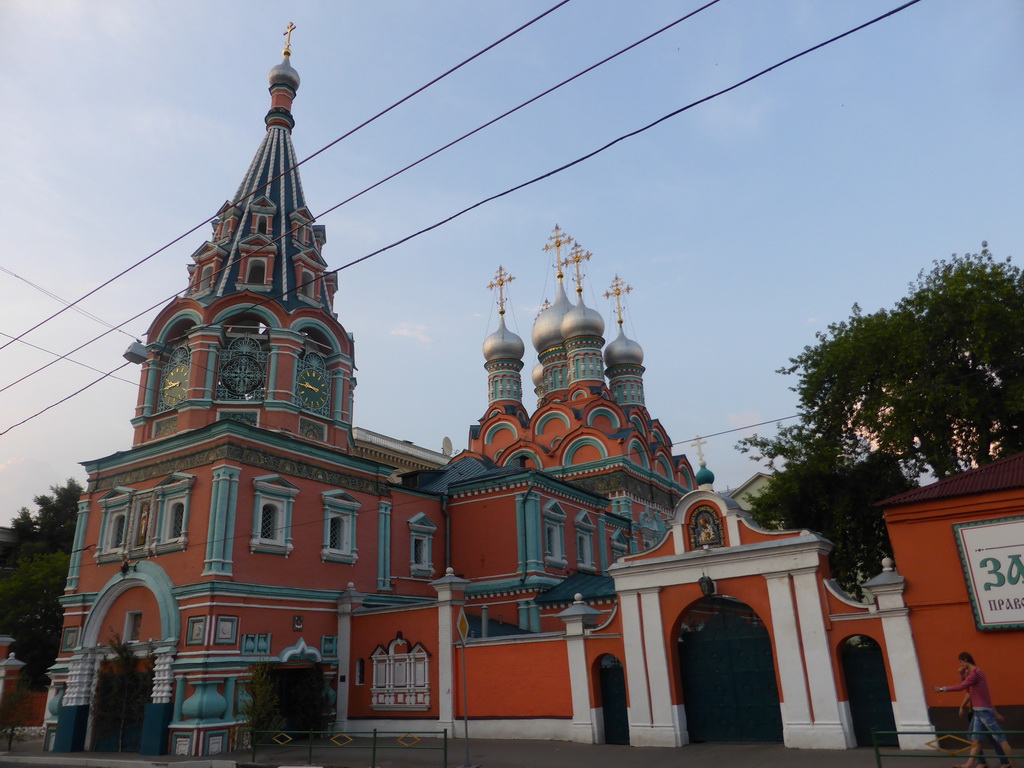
(707, 586)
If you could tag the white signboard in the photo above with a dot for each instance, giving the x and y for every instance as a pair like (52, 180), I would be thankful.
(992, 553)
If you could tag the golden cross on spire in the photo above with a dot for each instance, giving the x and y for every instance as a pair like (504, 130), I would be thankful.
(576, 257)
(501, 279)
(618, 289)
(555, 243)
(288, 43)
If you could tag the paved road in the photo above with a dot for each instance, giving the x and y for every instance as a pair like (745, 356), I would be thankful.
(488, 753)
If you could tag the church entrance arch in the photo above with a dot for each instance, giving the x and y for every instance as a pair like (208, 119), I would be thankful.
(868, 691)
(613, 701)
(728, 673)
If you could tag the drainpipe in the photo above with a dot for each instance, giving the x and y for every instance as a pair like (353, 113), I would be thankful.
(447, 532)
(526, 497)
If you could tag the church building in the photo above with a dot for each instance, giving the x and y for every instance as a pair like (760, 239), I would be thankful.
(610, 595)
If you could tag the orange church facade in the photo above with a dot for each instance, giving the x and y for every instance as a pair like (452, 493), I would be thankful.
(607, 587)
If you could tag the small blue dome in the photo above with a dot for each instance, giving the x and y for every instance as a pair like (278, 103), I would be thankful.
(704, 475)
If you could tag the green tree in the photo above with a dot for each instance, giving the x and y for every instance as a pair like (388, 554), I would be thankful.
(15, 714)
(934, 385)
(31, 613)
(259, 703)
(122, 691)
(52, 527)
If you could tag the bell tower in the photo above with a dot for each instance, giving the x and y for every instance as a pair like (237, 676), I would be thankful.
(254, 337)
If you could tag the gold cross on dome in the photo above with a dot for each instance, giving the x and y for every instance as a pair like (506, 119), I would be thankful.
(699, 444)
(288, 42)
(501, 279)
(576, 257)
(555, 242)
(618, 289)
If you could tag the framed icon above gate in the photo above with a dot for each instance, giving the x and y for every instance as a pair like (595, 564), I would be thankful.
(705, 528)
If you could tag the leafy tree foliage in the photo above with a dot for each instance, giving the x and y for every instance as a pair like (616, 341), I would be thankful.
(259, 703)
(122, 691)
(30, 611)
(934, 386)
(15, 714)
(52, 527)
(936, 382)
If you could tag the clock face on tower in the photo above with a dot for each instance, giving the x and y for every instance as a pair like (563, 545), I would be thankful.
(311, 388)
(174, 387)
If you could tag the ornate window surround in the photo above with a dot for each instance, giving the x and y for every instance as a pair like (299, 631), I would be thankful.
(585, 543)
(175, 489)
(275, 491)
(115, 512)
(340, 507)
(421, 545)
(401, 679)
(554, 535)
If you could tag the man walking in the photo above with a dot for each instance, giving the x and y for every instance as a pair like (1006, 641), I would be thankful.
(985, 715)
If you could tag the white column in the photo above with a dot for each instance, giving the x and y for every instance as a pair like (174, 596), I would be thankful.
(451, 592)
(163, 676)
(636, 669)
(665, 725)
(828, 724)
(577, 618)
(349, 601)
(796, 707)
(909, 708)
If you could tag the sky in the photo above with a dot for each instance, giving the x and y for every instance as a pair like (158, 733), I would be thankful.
(744, 225)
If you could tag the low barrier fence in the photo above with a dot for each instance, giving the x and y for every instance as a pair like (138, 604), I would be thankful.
(315, 742)
(946, 744)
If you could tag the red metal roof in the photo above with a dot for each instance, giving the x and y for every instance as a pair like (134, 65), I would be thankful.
(1000, 475)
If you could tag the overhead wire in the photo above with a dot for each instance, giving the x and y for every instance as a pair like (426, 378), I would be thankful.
(450, 144)
(569, 164)
(206, 221)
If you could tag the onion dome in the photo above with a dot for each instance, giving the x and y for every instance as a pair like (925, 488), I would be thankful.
(581, 320)
(623, 351)
(704, 475)
(285, 74)
(547, 328)
(503, 344)
(538, 375)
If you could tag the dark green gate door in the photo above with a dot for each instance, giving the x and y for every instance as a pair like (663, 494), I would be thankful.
(613, 701)
(120, 703)
(868, 691)
(728, 674)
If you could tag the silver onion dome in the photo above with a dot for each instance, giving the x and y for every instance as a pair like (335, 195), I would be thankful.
(547, 328)
(538, 375)
(581, 320)
(503, 344)
(623, 351)
(285, 74)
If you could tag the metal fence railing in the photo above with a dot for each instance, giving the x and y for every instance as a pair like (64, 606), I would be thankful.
(944, 744)
(372, 741)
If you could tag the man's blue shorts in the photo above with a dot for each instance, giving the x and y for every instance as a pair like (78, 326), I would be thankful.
(984, 721)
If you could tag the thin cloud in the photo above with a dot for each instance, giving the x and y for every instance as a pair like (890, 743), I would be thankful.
(412, 331)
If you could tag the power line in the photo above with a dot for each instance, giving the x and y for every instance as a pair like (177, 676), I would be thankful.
(555, 171)
(64, 399)
(203, 223)
(62, 357)
(393, 175)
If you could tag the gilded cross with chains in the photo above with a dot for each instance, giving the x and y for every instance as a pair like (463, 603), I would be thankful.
(617, 289)
(555, 243)
(576, 257)
(288, 42)
(501, 279)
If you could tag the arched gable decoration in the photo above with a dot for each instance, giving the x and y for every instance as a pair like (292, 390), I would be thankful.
(549, 417)
(523, 453)
(501, 426)
(300, 651)
(141, 574)
(170, 328)
(606, 412)
(637, 448)
(576, 445)
(261, 311)
(322, 332)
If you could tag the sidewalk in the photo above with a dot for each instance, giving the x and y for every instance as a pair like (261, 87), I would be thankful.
(491, 753)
